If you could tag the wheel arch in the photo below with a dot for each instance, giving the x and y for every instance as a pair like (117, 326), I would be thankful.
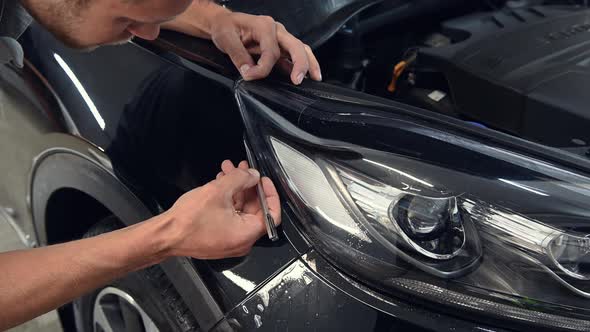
(70, 213)
(62, 174)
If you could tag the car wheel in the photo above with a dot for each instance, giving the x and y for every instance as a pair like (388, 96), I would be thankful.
(143, 301)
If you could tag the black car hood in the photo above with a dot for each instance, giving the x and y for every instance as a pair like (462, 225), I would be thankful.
(314, 21)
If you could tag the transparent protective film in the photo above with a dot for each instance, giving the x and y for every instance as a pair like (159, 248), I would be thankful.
(430, 214)
(384, 225)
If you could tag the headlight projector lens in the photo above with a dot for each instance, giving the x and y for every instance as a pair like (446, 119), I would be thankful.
(432, 226)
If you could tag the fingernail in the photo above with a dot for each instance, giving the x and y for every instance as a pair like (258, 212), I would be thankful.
(244, 69)
(320, 76)
(254, 172)
(299, 78)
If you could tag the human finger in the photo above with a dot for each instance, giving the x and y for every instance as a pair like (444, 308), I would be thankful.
(238, 180)
(240, 197)
(297, 51)
(243, 164)
(315, 71)
(255, 228)
(231, 43)
(270, 52)
(227, 166)
(285, 66)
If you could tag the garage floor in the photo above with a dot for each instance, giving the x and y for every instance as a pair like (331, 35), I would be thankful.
(46, 323)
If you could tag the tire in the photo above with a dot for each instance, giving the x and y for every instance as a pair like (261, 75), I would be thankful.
(151, 291)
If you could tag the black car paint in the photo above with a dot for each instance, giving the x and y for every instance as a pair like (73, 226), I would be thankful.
(156, 105)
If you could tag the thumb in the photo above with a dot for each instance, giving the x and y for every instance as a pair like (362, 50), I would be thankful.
(239, 180)
(232, 45)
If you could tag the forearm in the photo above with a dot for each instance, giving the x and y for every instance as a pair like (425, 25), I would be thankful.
(196, 20)
(43, 279)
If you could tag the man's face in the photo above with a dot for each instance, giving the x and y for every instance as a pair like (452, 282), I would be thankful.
(104, 22)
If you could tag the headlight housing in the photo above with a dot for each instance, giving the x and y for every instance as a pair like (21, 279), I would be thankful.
(427, 212)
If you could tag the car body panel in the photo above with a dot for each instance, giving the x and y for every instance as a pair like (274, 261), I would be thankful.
(24, 120)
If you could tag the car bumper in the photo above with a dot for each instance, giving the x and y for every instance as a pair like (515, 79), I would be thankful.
(309, 294)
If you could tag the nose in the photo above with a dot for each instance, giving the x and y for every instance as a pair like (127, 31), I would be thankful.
(145, 30)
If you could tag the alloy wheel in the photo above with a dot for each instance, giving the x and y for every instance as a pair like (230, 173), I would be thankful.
(117, 311)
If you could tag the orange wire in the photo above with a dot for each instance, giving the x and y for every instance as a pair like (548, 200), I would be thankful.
(398, 70)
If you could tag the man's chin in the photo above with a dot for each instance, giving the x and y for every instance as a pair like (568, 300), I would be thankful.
(90, 48)
(114, 43)
(120, 42)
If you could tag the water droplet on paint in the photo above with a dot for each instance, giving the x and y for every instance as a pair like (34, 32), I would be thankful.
(258, 321)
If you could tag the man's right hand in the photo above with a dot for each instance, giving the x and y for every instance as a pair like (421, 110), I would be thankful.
(223, 218)
(203, 223)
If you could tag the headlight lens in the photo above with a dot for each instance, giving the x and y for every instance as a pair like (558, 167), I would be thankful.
(435, 224)
(571, 255)
(398, 221)
(431, 226)
(434, 216)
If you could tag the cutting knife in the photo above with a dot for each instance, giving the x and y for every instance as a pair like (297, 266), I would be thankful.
(271, 229)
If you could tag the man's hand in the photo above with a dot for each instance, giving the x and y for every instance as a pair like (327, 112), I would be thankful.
(224, 217)
(242, 35)
(220, 219)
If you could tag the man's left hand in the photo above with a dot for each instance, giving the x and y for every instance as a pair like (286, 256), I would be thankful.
(241, 35)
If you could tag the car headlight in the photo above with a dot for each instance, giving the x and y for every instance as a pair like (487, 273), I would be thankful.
(429, 214)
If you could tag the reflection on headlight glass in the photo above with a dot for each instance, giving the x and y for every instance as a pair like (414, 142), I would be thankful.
(432, 226)
(310, 183)
(414, 236)
(571, 254)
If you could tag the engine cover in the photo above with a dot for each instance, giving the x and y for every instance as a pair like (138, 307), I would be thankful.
(524, 71)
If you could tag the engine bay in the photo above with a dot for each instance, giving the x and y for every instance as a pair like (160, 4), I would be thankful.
(520, 67)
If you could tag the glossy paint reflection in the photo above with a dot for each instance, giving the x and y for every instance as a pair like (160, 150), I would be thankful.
(80, 89)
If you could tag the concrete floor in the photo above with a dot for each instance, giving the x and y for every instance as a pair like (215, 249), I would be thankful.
(46, 323)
